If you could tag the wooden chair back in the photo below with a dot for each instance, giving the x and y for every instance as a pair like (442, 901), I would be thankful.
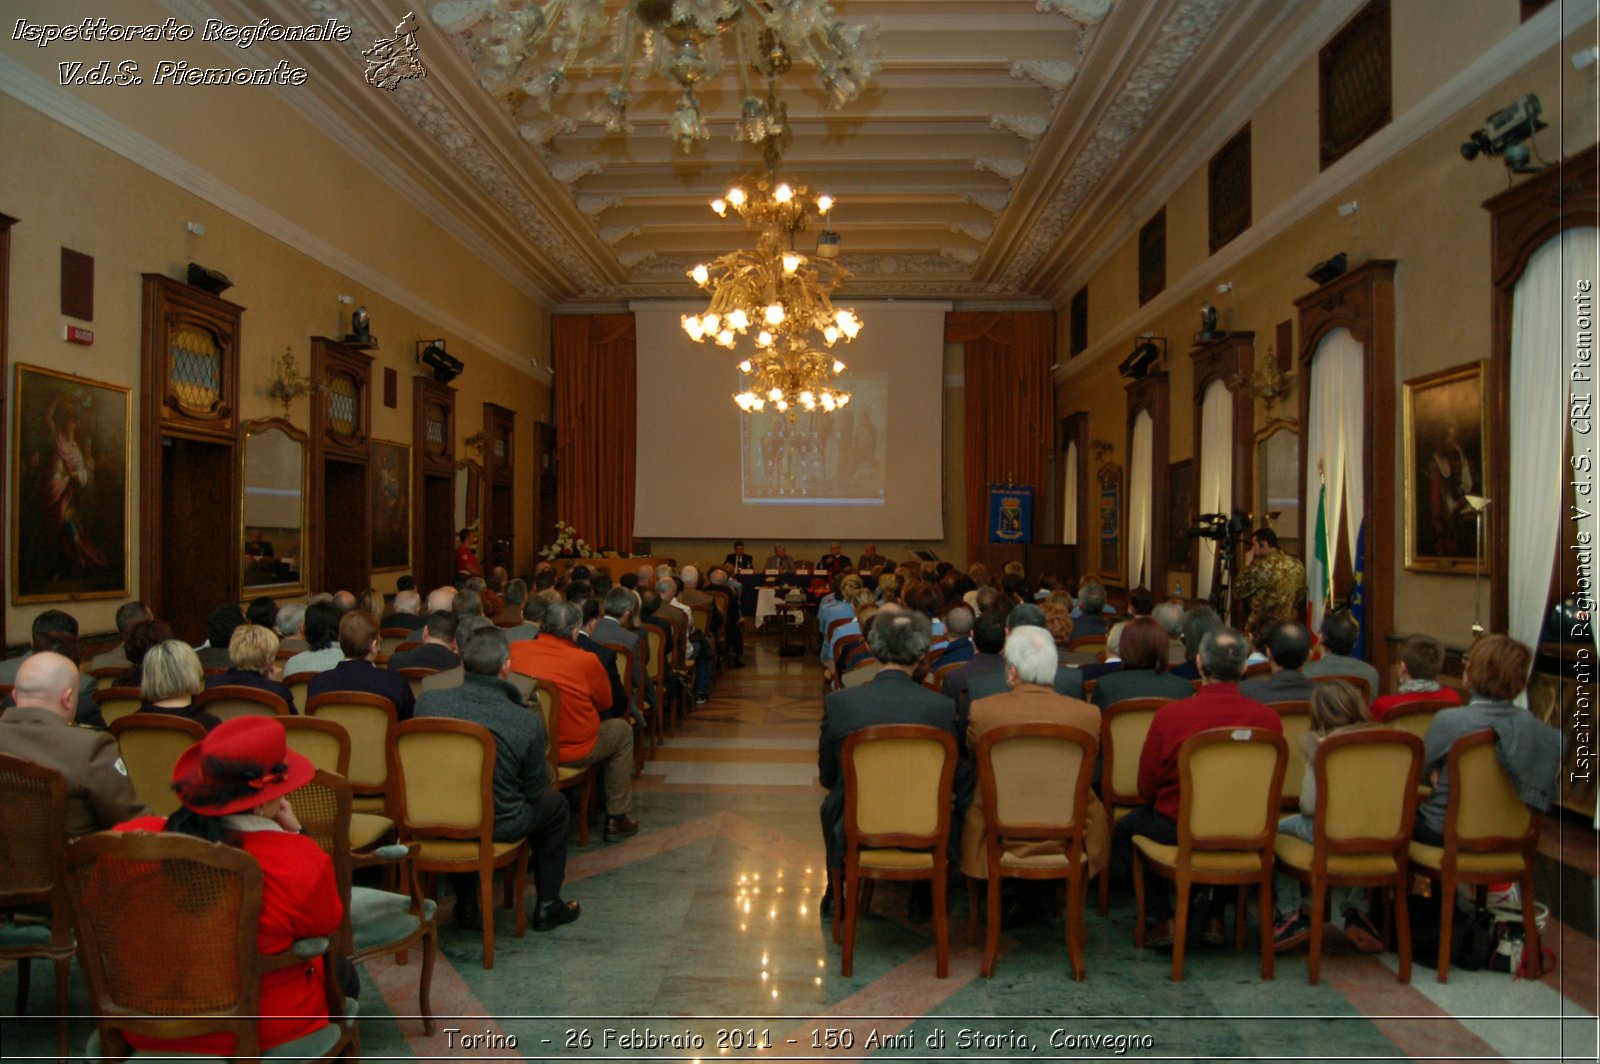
(1296, 722)
(548, 699)
(444, 679)
(370, 722)
(106, 675)
(322, 741)
(1416, 717)
(1087, 644)
(1358, 682)
(1123, 727)
(444, 780)
(297, 685)
(151, 745)
(414, 676)
(117, 702)
(389, 639)
(1366, 791)
(33, 873)
(1483, 811)
(1229, 782)
(226, 701)
(861, 674)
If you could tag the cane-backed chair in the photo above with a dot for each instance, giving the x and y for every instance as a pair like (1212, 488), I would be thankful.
(1489, 837)
(33, 866)
(1229, 781)
(443, 771)
(1366, 783)
(1023, 769)
(151, 745)
(897, 784)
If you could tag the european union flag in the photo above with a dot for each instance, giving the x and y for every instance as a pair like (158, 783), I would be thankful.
(1358, 591)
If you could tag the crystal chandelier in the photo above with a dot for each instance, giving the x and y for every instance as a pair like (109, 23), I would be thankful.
(783, 295)
(524, 49)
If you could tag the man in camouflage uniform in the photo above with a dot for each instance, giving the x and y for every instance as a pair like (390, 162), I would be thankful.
(1273, 583)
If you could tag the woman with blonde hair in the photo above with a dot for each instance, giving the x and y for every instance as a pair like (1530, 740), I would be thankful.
(172, 676)
(253, 650)
(372, 601)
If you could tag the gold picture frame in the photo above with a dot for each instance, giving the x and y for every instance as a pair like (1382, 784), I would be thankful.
(72, 445)
(389, 502)
(1444, 423)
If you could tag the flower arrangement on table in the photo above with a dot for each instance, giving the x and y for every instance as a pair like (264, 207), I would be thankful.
(568, 544)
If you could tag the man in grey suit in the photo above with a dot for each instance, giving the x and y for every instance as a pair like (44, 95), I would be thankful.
(898, 639)
(780, 559)
(1339, 635)
(1288, 646)
(615, 630)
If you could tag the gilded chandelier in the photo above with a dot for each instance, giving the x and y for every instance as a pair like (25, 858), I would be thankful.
(783, 295)
(524, 50)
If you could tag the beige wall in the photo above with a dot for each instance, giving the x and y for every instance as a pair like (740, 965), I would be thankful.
(68, 191)
(1422, 208)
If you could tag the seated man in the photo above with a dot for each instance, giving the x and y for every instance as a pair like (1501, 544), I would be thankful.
(405, 614)
(1218, 704)
(834, 560)
(1170, 617)
(586, 740)
(779, 559)
(692, 596)
(738, 559)
(289, 624)
(870, 559)
(958, 645)
(986, 666)
(219, 635)
(1065, 681)
(1288, 645)
(728, 592)
(526, 802)
(1196, 623)
(56, 631)
(39, 727)
(1031, 664)
(128, 615)
(1091, 617)
(358, 640)
(618, 628)
(1340, 633)
(1421, 658)
(584, 639)
(438, 649)
(687, 636)
(899, 639)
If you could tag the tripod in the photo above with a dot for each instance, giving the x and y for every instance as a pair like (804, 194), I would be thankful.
(1222, 575)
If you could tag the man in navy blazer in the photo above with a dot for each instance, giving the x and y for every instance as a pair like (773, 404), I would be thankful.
(898, 639)
(358, 638)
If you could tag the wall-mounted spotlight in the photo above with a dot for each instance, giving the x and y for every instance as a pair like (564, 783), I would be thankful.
(197, 228)
(1507, 133)
(446, 367)
(207, 280)
(828, 244)
(1145, 355)
(1329, 268)
(1347, 209)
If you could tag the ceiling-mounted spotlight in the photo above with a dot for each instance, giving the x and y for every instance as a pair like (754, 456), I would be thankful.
(1208, 325)
(446, 367)
(213, 281)
(1329, 268)
(828, 244)
(1145, 355)
(1507, 133)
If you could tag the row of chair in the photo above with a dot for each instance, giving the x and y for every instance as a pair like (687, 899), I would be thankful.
(897, 820)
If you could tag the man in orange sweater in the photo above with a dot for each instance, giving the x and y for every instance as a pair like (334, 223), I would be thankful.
(585, 739)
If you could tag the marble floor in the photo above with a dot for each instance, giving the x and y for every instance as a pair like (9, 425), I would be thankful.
(701, 939)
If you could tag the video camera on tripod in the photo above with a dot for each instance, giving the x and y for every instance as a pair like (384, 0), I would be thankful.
(1221, 527)
(1225, 531)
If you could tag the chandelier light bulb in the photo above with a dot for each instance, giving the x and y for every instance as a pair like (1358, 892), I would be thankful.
(720, 205)
(700, 274)
(763, 339)
(776, 395)
(775, 314)
(725, 338)
(692, 326)
(744, 367)
(783, 406)
(791, 262)
(807, 400)
(736, 196)
(830, 334)
(758, 405)
(827, 401)
(711, 323)
(838, 367)
(824, 203)
(783, 193)
(738, 320)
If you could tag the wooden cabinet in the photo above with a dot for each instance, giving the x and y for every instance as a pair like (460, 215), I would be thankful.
(433, 529)
(500, 481)
(341, 428)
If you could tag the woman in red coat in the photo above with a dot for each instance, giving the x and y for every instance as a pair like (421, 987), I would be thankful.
(232, 785)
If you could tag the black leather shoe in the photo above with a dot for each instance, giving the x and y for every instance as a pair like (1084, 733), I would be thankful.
(552, 914)
(620, 827)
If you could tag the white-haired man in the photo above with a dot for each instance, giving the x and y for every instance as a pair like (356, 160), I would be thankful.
(405, 615)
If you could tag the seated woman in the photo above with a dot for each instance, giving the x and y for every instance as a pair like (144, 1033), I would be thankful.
(372, 601)
(232, 785)
(1143, 648)
(254, 653)
(141, 638)
(321, 631)
(172, 677)
(1529, 749)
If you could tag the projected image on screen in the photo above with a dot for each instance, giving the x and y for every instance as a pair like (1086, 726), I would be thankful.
(820, 457)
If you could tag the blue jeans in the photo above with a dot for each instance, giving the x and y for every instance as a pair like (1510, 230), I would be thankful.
(1291, 892)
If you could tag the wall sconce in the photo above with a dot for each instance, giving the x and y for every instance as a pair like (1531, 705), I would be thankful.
(1269, 383)
(287, 384)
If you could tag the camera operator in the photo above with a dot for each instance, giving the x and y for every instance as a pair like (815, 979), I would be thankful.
(1273, 583)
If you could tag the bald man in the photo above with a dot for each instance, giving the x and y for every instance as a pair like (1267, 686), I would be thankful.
(39, 728)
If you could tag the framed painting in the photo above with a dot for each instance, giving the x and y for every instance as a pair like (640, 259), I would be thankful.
(1446, 455)
(390, 489)
(1180, 515)
(69, 504)
(1110, 559)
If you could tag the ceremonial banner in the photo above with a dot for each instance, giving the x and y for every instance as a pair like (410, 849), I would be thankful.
(1010, 514)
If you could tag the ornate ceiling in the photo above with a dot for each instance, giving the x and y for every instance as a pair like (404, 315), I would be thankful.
(997, 136)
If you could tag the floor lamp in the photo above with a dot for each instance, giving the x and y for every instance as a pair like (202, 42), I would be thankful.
(1478, 504)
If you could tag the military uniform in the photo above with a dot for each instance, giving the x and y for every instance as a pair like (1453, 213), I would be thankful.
(99, 793)
(1275, 587)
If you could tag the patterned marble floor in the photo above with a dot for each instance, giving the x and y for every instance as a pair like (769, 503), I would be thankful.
(701, 937)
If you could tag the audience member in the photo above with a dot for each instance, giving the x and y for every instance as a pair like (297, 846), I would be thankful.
(321, 632)
(290, 626)
(172, 677)
(1067, 681)
(253, 652)
(358, 641)
(345, 601)
(526, 802)
(39, 728)
(1143, 644)
(373, 602)
(586, 740)
(958, 639)
(1170, 616)
(232, 785)
(619, 628)
(1340, 633)
(219, 635)
(1529, 749)
(1141, 602)
(1090, 617)
(1421, 658)
(128, 614)
(56, 631)
(1112, 661)
(584, 639)
(145, 634)
(1218, 704)
(989, 639)
(405, 613)
(1031, 664)
(1287, 645)
(437, 650)
(262, 610)
(1196, 623)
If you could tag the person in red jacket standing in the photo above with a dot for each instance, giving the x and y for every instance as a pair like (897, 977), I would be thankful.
(1218, 704)
(232, 785)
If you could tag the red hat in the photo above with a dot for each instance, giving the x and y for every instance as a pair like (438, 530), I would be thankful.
(240, 764)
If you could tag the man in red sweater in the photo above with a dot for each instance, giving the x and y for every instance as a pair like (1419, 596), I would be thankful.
(1421, 658)
(1218, 704)
(585, 689)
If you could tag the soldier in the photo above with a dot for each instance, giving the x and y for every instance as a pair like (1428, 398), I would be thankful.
(1273, 583)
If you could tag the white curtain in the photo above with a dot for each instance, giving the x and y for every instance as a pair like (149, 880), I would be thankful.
(1216, 470)
(1069, 512)
(1140, 472)
(1335, 439)
(1543, 327)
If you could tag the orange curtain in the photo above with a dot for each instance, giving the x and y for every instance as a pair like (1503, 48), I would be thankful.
(595, 400)
(1010, 403)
